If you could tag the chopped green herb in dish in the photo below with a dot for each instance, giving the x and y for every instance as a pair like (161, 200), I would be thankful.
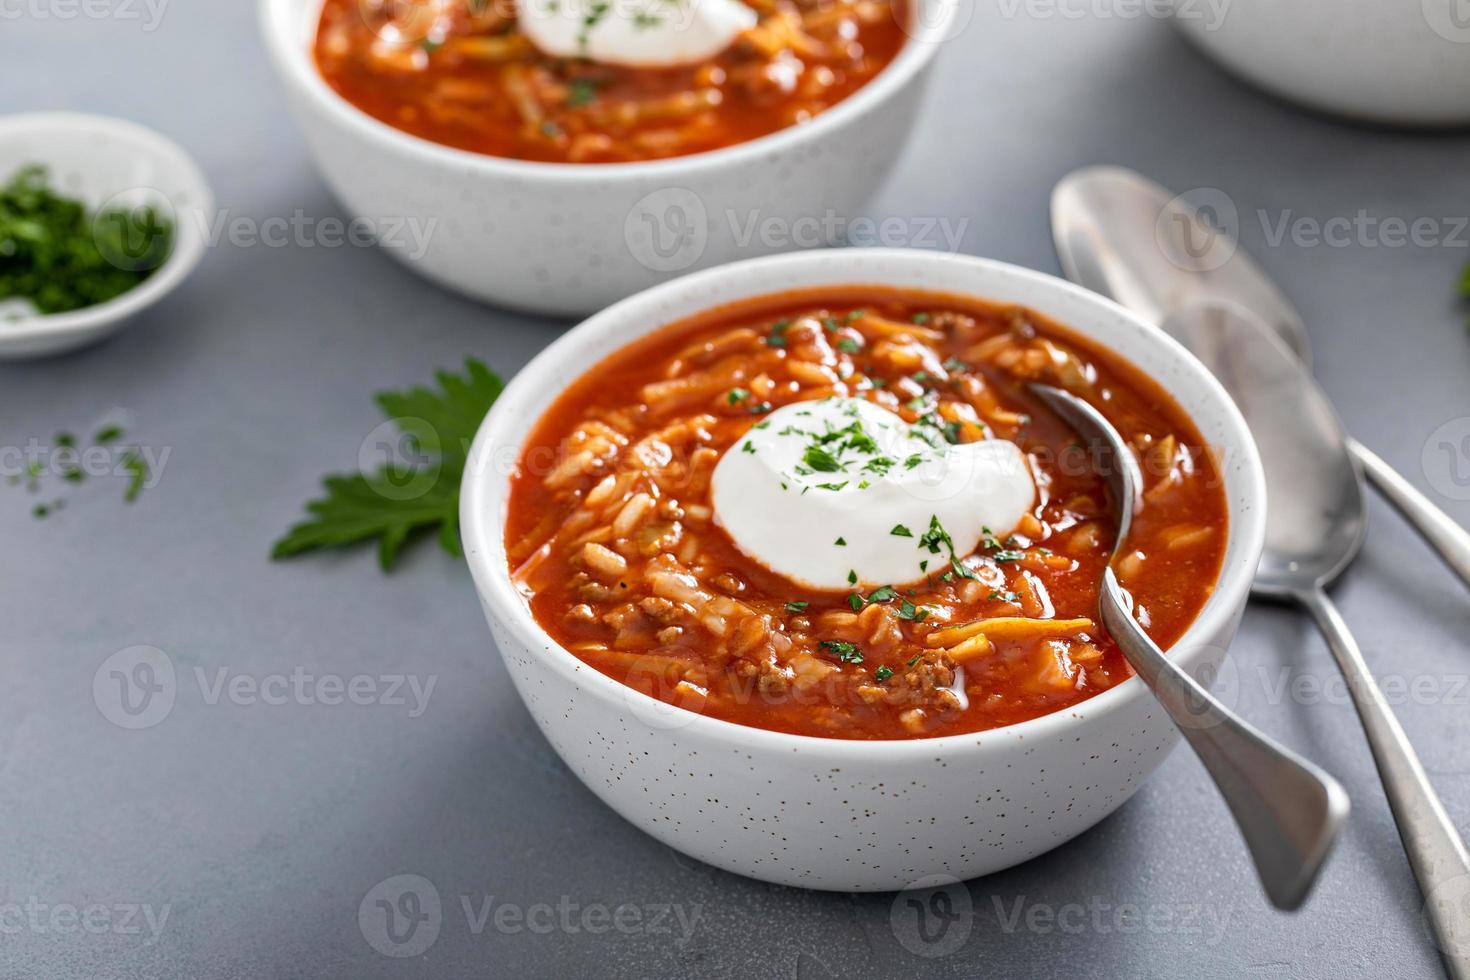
(57, 255)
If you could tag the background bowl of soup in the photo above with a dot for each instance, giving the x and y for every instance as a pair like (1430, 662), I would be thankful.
(849, 813)
(570, 237)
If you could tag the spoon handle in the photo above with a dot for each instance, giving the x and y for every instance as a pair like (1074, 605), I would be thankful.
(1436, 852)
(1448, 538)
(1288, 810)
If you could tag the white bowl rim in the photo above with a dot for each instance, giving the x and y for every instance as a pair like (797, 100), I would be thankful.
(484, 538)
(294, 61)
(188, 244)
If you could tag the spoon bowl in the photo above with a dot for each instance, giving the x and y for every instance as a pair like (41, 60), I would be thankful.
(1317, 518)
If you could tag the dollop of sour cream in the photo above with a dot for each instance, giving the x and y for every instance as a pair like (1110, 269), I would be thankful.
(635, 33)
(841, 492)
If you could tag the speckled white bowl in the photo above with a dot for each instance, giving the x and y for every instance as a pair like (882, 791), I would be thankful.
(827, 813)
(1403, 62)
(570, 238)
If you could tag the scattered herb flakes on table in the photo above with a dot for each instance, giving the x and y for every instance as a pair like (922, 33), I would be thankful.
(400, 500)
(66, 463)
(57, 255)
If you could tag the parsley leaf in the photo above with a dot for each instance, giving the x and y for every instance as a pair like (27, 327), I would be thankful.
(820, 460)
(401, 499)
(848, 653)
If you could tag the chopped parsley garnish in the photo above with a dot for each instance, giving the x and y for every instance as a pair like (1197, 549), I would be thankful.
(883, 594)
(579, 93)
(1006, 596)
(832, 486)
(899, 531)
(883, 673)
(912, 613)
(855, 602)
(849, 345)
(796, 607)
(851, 577)
(60, 255)
(920, 319)
(841, 542)
(736, 396)
(936, 536)
(848, 653)
(777, 335)
(747, 447)
(820, 459)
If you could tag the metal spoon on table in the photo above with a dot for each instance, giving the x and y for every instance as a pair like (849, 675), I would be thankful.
(1120, 234)
(1315, 524)
(1288, 810)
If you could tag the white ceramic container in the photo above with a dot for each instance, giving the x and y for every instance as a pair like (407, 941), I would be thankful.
(827, 813)
(103, 161)
(570, 238)
(1402, 62)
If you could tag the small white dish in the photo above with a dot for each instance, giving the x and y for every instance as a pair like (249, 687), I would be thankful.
(839, 814)
(99, 161)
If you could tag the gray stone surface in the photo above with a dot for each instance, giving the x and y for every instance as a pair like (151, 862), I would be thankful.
(260, 829)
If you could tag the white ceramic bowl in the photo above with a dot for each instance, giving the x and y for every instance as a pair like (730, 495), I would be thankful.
(570, 238)
(828, 813)
(1404, 62)
(100, 161)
